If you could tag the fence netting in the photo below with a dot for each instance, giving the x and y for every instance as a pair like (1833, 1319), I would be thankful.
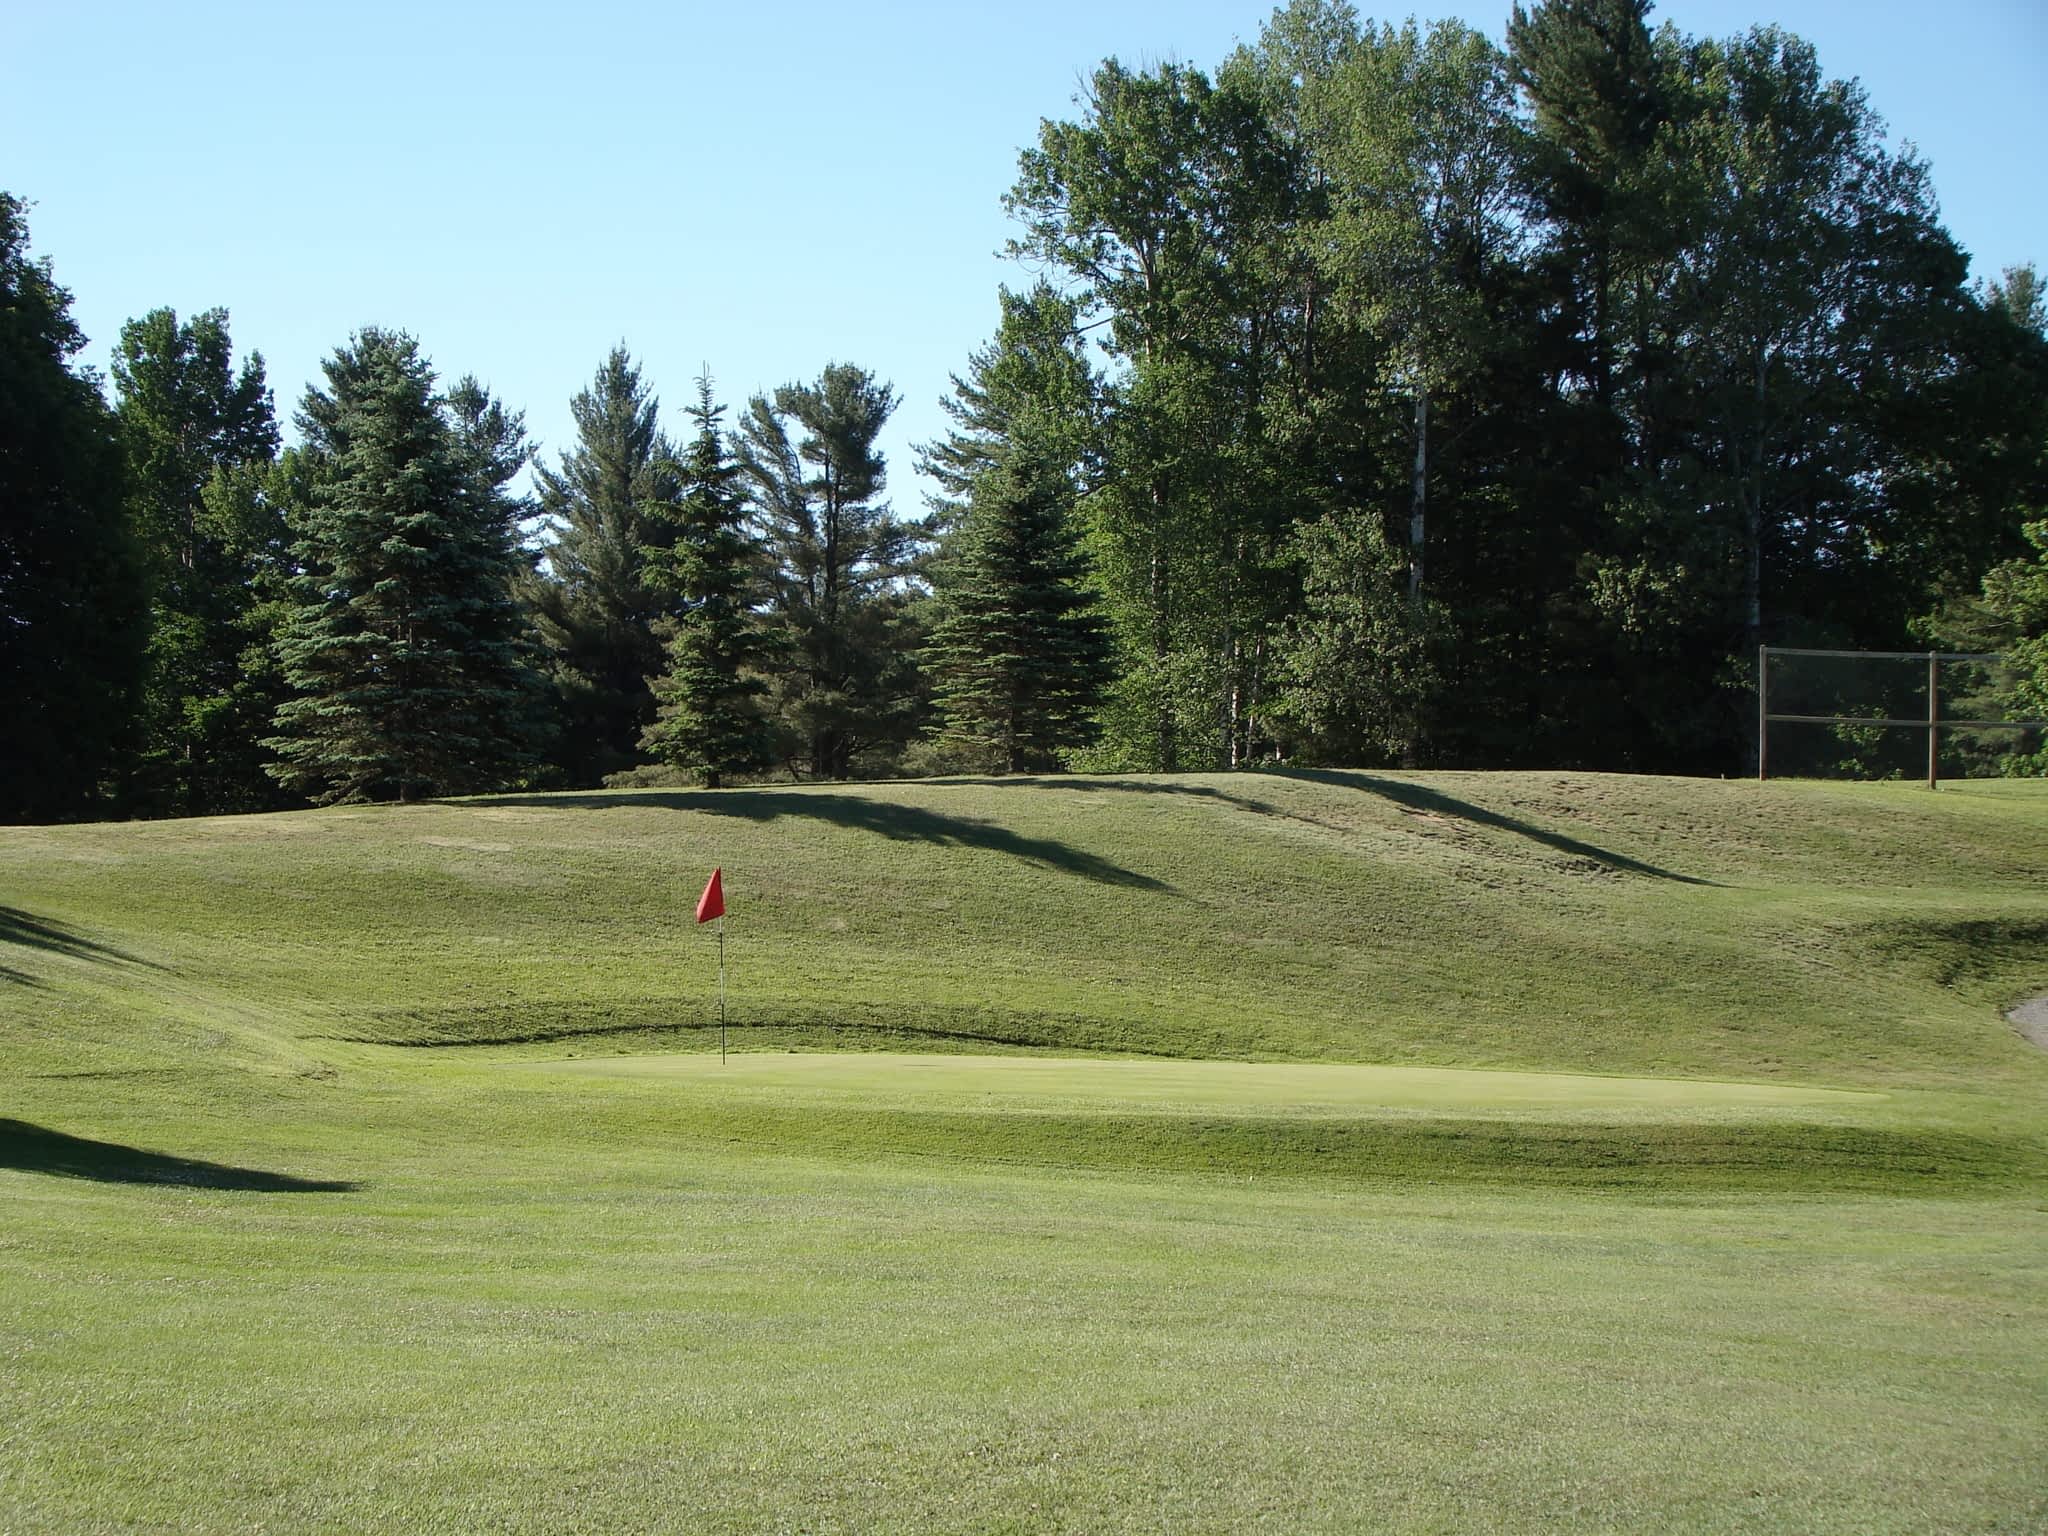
(1850, 691)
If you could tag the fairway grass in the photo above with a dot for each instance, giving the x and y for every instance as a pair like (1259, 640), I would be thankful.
(571, 1305)
(1408, 1153)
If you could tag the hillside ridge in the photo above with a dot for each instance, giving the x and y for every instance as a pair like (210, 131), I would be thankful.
(1549, 921)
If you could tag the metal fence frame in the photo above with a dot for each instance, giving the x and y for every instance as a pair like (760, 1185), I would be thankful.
(1932, 724)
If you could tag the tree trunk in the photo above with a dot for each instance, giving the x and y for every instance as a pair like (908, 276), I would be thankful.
(1646, 427)
(1603, 361)
(1256, 744)
(1753, 522)
(1419, 497)
(1308, 340)
(1226, 697)
(828, 604)
(1162, 633)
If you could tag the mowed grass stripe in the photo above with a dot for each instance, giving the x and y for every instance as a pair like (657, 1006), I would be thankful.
(1040, 1082)
(1321, 1122)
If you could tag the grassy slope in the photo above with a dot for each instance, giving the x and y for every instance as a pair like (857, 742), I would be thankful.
(1573, 923)
(300, 1272)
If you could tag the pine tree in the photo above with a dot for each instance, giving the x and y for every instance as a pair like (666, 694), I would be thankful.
(1018, 656)
(710, 718)
(73, 607)
(835, 556)
(1597, 91)
(406, 649)
(595, 606)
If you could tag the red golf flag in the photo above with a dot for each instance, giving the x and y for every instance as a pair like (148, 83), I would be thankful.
(712, 903)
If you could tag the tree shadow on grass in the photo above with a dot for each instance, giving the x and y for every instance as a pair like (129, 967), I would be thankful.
(1418, 797)
(36, 1149)
(1414, 797)
(46, 933)
(898, 823)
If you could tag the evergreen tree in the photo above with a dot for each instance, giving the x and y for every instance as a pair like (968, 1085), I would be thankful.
(199, 437)
(254, 501)
(710, 717)
(595, 606)
(491, 448)
(1035, 366)
(1598, 93)
(836, 557)
(1017, 655)
(406, 650)
(2018, 296)
(73, 606)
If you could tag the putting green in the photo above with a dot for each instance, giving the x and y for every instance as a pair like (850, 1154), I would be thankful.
(1038, 1084)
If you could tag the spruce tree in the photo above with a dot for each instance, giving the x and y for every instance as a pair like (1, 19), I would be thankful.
(73, 610)
(710, 718)
(1036, 367)
(406, 649)
(596, 609)
(1018, 657)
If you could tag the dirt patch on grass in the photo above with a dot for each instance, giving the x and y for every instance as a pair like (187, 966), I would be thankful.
(2031, 1020)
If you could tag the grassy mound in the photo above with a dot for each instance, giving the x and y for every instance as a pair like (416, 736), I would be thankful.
(1867, 934)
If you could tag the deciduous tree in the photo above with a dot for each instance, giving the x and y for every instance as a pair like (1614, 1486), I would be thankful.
(199, 437)
(73, 604)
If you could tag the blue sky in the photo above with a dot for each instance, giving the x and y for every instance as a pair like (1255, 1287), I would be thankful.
(758, 190)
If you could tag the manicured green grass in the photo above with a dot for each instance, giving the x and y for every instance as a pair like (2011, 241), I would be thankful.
(368, 1170)
(1037, 1084)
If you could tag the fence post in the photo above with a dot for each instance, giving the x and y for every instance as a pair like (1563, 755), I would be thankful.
(1763, 712)
(1933, 717)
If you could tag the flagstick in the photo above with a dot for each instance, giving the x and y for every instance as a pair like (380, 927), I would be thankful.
(721, 989)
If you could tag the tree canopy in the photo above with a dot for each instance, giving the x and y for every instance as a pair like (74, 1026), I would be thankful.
(1383, 394)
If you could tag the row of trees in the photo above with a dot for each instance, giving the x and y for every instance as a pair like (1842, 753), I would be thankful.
(197, 621)
(1490, 406)
(1387, 396)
